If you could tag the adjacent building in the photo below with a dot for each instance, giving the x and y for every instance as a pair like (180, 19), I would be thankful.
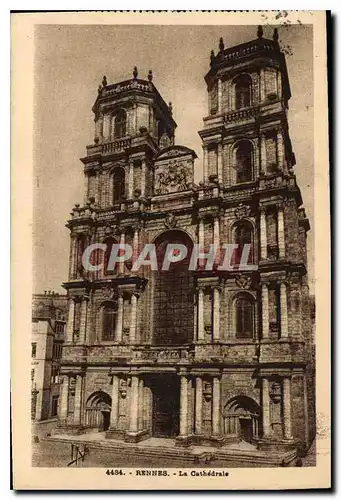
(207, 357)
(49, 312)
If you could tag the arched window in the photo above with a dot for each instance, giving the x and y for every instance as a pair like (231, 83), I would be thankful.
(173, 299)
(244, 162)
(109, 313)
(120, 126)
(118, 184)
(243, 91)
(244, 310)
(242, 235)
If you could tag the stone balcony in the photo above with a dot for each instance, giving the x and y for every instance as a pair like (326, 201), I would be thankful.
(138, 142)
(242, 352)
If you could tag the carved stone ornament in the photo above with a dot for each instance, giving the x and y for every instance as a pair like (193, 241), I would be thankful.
(177, 176)
(108, 230)
(243, 281)
(276, 392)
(207, 391)
(170, 221)
(123, 388)
(109, 292)
(242, 211)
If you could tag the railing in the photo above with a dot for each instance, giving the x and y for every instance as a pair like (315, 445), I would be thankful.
(119, 145)
(241, 114)
(78, 453)
(128, 85)
(246, 49)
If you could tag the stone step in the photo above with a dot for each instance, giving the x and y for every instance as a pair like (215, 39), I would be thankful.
(131, 449)
(191, 454)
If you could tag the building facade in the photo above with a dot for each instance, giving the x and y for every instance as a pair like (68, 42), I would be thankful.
(204, 356)
(49, 312)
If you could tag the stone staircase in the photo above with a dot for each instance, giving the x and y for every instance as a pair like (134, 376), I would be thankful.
(197, 455)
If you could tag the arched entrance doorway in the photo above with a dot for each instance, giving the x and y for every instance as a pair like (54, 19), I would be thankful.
(173, 321)
(98, 407)
(242, 418)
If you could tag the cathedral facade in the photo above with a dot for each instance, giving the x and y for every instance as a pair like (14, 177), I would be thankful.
(202, 356)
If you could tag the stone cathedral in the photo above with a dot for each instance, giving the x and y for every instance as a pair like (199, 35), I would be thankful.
(205, 357)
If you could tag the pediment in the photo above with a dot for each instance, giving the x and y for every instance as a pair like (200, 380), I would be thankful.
(174, 152)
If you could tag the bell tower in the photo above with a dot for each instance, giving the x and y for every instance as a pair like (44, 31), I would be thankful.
(132, 122)
(245, 134)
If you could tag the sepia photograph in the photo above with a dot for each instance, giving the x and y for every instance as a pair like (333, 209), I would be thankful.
(174, 253)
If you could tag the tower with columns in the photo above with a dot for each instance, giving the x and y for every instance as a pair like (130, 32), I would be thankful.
(205, 356)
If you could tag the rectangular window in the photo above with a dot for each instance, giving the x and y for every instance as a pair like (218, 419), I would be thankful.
(55, 375)
(54, 406)
(34, 349)
(32, 376)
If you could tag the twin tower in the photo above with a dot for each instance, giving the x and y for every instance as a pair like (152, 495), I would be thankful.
(210, 356)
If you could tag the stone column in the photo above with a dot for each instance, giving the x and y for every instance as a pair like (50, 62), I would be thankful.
(70, 321)
(141, 404)
(280, 228)
(114, 402)
(136, 243)
(131, 180)
(134, 404)
(216, 232)
(205, 162)
(121, 263)
(216, 239)
(201, 324)
(284, 310)
(77, 416)
(280, 150)
(83, 319)
(86, 188)
(287, 407)
(143, 178)
(119, 322)
(96, 130)
(106, 127)
(100, 128)
(64, 399)
(183, 406)
(73, 242)
(279, 84)
(133, 319)
(220, 163)
(198, 405)
(74, 257)
(265, 311)
(263, 154)
(135, 118)
(201, 235)
(216, 313)
(216, 427)
(266, 407)
(261, 85)
(219, 96)
(263, 235)
(98, 187)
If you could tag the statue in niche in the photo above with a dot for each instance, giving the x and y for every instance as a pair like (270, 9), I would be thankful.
(165, 141)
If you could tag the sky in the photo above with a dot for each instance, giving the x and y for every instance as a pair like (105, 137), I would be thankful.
(70, 62)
